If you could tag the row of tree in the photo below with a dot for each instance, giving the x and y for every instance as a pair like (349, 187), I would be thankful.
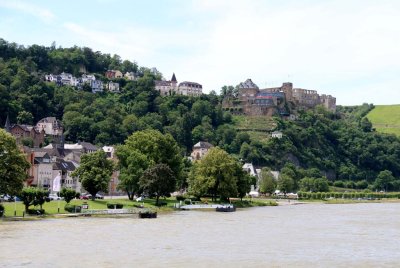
(151, 163)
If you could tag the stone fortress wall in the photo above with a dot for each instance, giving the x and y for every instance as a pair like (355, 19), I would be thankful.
(284, 100)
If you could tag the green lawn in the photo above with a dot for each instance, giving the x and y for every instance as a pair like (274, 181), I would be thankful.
(386, 118)
(52, 206)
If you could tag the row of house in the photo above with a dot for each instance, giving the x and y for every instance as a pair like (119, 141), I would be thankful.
(56, 158)
(48, 126)
(171, 87)
(88, 79)
(62, 159)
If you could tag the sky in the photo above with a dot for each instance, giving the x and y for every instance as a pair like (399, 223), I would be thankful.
(346, 48)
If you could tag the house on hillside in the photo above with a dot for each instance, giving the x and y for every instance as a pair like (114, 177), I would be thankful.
(51, 126)
(249, 168)
(111, 74)
(130, 76)
(172, 87)
(200, 149)
(113, 87)
(23, 132)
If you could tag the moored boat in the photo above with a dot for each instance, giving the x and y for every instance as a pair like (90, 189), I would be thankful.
(226, 208)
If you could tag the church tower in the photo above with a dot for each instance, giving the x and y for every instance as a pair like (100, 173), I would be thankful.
(173, 81)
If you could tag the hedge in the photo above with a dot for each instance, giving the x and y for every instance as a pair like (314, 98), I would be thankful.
(72, 208)
(114, 205)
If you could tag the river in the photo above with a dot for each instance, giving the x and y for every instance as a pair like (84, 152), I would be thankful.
(309, 235)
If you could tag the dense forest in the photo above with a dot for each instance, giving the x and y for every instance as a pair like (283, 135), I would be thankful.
(341, 146)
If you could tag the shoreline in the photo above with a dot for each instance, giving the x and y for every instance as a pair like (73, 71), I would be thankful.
(166, 210)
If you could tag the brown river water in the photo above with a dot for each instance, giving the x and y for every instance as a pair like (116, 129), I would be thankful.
(309, 235)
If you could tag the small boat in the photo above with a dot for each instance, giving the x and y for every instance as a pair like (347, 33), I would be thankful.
(226, 208)
(147, 215)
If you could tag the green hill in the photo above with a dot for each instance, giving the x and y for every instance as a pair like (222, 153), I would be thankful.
(386, 118)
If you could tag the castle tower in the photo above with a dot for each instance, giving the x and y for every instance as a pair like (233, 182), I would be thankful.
(287, 88)
(173, 81)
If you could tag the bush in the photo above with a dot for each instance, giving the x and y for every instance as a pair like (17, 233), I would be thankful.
(338, 184)
(114, 205)
(72, 208)
(362, 184)
(35, 211)
(1, 210)
(68, 194)
(180, 198)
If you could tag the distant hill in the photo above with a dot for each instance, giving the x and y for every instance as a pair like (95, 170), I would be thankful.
(386, 118)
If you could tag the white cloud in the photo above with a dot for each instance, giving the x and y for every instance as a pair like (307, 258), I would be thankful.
(335, 47)
(316, 45)
(34, 10)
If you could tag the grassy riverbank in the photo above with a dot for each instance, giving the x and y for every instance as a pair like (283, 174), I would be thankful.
(57, 207)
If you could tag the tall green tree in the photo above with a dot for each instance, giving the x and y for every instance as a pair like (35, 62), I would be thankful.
(384, 179)
(285, 183)
(13, 165)
(267, 182)
(215, 175)
(158, 181)
(145, 149)
(94, 172)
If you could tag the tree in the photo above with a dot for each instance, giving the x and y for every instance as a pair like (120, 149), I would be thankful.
(244, 182)
(307, 184)
(215, 175)
(13, 165)
(321, 185)
(68, 194)
(366, 125)
(285, 183)
(158, 181)
(34, 196)
(384, 179)
(25, 117)
(94, 172)
(145, 149)
(28, 196)
(267, 182)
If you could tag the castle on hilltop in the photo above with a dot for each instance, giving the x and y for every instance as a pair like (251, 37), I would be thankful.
(167, 88)
(284, 100)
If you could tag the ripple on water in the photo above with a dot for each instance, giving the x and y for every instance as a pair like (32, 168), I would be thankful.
(312, 235)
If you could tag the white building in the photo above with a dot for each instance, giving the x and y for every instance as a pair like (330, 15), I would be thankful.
(249, 168)
(200, 149)
(113, 87)
(50, 125)
(65, 168)
(43, 170)
(130, 76)
(185, 88)
(96, 85)
(277, 134)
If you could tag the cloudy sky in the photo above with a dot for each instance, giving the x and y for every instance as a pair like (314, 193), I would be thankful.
(346, 48)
